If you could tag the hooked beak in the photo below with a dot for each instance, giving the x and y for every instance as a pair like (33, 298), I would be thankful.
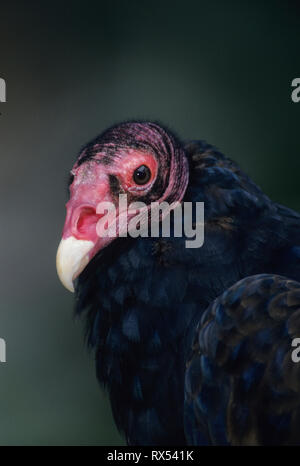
(71, 258)
(80, 241)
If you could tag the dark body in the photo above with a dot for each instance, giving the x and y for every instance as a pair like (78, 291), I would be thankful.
(148, 300)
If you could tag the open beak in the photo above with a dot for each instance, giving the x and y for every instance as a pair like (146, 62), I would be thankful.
(80, 241)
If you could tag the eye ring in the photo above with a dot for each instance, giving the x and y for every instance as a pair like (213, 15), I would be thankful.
(142, 175)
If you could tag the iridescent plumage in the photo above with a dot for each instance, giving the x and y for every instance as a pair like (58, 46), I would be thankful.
(194, 345)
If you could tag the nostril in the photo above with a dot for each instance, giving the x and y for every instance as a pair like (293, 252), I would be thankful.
(86, 220)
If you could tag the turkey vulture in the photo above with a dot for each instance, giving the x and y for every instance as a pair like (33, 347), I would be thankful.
(193, 345)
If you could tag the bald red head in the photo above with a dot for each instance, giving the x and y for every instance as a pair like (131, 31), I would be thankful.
(141, 160)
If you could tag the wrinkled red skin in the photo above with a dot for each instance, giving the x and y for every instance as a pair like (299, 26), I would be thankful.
(91, 186)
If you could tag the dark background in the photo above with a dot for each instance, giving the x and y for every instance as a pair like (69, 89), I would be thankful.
(219, 71)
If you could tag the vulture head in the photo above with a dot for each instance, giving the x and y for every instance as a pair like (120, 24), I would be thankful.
(142, 160)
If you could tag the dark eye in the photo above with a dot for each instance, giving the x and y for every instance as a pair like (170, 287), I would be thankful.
(142, 175)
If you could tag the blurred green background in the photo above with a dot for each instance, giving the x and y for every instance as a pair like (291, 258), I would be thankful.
(214, 70)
